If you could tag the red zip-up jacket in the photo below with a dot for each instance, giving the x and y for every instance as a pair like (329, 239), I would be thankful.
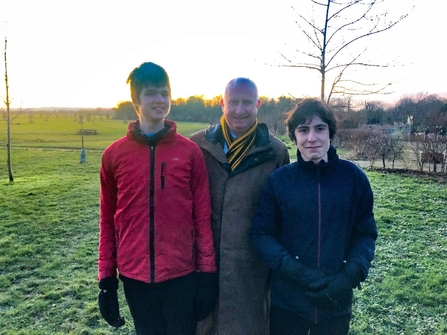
(154, 208)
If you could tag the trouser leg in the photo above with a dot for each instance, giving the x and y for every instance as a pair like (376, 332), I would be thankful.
(165, 308)
(178, 305)
(283, 322)
(333, 326)
(144, 303)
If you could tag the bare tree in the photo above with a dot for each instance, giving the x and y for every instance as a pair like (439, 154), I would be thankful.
(8, 120)
(338, 35)
(376, 146)
(7, 101)
(397, 147)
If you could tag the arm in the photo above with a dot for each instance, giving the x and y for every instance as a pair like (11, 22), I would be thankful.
(207, 281)
(362, 245)
(108, 283)
(205, 255)
(265, 227)
(107, 243)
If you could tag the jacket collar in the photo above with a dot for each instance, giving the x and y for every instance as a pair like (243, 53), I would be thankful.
(322, 166)
(134, 133)
(262, 150)
(214, 135)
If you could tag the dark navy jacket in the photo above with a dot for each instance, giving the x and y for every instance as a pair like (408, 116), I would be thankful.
(322, 214)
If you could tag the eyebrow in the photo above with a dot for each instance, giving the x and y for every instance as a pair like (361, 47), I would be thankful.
(303, 125)
(157, 89)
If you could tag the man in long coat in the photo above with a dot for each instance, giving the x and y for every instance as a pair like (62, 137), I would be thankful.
(239, 153)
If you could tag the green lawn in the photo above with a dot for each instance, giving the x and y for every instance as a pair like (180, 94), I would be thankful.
(60, 131)
(49, 231)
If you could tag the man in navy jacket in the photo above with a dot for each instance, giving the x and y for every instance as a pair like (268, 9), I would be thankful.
(315, 228)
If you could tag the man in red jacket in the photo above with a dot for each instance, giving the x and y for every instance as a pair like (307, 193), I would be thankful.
(155, 219)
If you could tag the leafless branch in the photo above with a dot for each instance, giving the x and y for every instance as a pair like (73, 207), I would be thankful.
(332, 42)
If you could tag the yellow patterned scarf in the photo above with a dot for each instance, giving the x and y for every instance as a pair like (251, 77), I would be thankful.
(239, 147)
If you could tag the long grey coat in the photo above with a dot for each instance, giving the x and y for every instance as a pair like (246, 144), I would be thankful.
(243, 303)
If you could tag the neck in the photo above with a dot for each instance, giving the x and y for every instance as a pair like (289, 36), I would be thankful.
(151, 127)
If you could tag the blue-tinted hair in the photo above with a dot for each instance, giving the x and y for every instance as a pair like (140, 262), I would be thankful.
(147, 74)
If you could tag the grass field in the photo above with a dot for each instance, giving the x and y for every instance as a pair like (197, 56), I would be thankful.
(60, 131)
(49, 232)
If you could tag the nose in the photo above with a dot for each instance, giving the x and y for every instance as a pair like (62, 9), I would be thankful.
(159, 97)
(311, 137)
(239, 108)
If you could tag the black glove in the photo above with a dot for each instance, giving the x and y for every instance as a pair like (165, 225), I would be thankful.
(306, 277)
(354, 273)
(207, 294)
(339, 288)
(108, 301)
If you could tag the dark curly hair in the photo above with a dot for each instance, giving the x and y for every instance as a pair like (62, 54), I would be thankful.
(303, 113)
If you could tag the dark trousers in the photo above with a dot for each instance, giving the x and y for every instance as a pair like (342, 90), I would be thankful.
(283, 322)
(165, 308)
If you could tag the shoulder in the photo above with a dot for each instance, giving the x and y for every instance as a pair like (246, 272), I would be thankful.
(211, 134)
(350, 168)
(198, 135)
(212, 128)
(114, 146)
(265, 133)
(277, 143)
(284, 171)
(184, 143)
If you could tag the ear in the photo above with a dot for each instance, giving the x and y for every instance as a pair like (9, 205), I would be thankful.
(259, 103)
(222, 103)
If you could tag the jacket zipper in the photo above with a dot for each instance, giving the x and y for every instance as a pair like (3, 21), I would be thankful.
(163, 164)
(193, 240)
(152, 215)
(319, 215)
(319, 226)
(319, 233)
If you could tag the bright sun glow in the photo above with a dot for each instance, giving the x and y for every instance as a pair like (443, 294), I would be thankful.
(79, 53)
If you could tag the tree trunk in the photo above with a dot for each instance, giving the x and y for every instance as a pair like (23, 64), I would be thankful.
(8, 120)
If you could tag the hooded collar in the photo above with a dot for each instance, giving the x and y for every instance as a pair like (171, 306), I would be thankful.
(134, 132)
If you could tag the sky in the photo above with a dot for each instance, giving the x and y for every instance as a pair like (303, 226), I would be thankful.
(79, 53)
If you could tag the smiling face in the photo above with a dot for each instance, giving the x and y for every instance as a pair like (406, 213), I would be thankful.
(240, 107)
(153, 104)
(312, 139)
